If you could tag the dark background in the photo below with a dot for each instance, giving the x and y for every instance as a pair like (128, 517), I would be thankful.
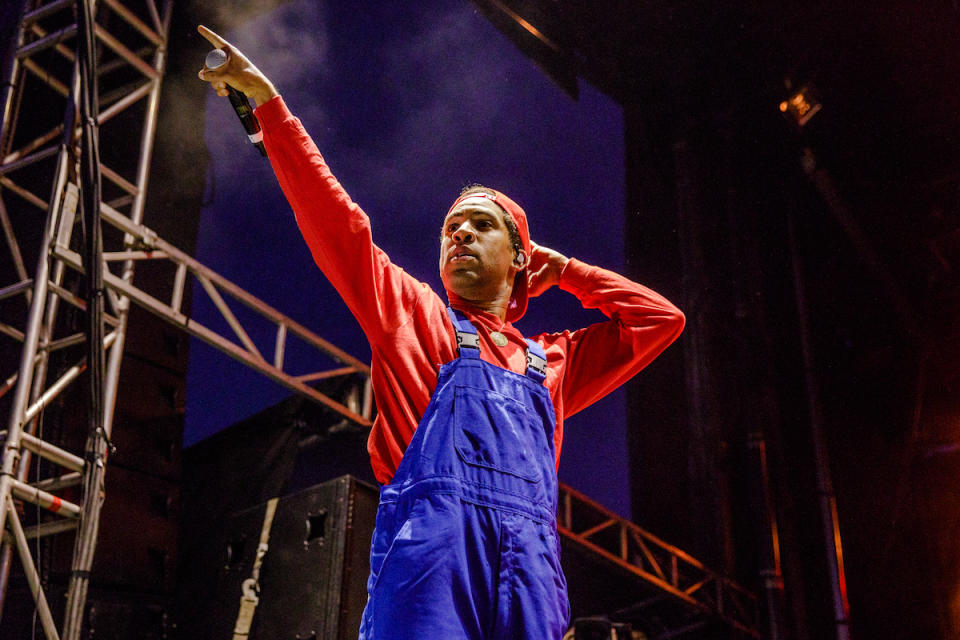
(817, 265)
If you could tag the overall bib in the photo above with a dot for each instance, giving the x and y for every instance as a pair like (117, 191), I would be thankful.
(466, 545)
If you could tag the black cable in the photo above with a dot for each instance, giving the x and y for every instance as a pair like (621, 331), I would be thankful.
(90, 192)
(94, 451)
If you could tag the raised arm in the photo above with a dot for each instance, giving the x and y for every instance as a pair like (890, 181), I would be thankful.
(605, 355)
(379, 294)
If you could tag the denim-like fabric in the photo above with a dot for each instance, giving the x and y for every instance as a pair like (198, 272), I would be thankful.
(466, 544)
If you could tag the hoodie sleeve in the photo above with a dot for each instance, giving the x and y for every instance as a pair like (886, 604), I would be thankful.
(603, 356)
(379, 294)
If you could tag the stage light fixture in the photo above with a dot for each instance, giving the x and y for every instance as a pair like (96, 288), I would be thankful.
(801, 105)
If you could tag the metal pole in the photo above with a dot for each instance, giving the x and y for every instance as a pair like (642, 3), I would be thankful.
(33, 579)
(11, 452)
(770, 569)
(40, 358)
(14, 16)
(8, 78)
(828, 503)
(41, 363)
(95, 450)
(8, 90)
(136, 215)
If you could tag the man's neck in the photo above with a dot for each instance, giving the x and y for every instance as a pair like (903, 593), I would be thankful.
(496, 307)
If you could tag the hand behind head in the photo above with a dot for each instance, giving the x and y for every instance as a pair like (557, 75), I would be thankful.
(543, 269)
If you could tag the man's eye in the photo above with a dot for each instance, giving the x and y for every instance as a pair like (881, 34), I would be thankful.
(451, 228)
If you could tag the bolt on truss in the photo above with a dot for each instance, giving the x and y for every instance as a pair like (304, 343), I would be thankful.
(39, 136)
(669, 570)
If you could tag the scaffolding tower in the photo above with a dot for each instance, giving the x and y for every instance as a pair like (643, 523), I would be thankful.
(40, 136)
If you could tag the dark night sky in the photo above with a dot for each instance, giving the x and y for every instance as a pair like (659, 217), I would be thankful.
(408, 102)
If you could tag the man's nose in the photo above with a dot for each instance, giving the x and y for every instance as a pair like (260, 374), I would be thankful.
(463, 235)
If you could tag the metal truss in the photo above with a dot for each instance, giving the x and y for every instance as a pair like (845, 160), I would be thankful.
(39, 136)
(671, 571)
(143, 245)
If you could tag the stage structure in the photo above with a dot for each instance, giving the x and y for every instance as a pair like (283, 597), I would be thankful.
(40, 138)
(661, 588)
(40, 169)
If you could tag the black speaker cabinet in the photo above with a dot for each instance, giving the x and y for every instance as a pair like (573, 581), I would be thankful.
(312, 578)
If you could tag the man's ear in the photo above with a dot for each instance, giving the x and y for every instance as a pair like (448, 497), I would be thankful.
(520, 260)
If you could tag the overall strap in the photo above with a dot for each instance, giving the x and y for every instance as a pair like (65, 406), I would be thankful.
(468, 343)
(536, 361)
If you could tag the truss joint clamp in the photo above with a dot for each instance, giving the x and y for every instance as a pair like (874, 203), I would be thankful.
(147, 240)
(15, 451)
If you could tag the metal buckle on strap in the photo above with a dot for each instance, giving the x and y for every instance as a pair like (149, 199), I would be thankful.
(536, 363)
(468, 340)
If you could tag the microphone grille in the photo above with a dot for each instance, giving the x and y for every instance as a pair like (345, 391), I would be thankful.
(215, 58)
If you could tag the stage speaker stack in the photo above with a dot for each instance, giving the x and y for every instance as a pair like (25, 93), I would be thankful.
(312, 578)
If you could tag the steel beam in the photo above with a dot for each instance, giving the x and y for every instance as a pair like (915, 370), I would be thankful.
(660, 564)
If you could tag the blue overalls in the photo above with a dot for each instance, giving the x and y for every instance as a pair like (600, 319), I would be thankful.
(466, 545)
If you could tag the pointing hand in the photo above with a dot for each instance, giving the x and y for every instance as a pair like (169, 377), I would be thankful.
(237, 71)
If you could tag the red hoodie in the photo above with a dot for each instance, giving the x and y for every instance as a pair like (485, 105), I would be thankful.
(406, 322)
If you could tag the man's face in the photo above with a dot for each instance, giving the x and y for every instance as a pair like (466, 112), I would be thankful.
(477, 261)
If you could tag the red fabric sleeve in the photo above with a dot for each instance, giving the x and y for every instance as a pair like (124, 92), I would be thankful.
(403, 319)
(378, 293)
(601, 357)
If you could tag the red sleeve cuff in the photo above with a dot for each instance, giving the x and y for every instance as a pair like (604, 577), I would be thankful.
(272, 112)
(576, 277)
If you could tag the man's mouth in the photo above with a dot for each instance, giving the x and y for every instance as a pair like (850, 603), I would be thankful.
(462, 256)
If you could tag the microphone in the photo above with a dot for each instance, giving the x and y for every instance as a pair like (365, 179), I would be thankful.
(217, 58)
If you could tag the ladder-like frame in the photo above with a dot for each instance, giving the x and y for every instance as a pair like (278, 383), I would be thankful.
(668, 569)
(131, 38)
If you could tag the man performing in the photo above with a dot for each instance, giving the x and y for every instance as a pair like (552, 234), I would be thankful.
(469, 413)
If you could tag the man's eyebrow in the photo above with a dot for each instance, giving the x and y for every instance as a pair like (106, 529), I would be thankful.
(472, 211)
(468, 211)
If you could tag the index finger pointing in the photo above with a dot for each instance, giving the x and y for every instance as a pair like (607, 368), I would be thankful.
(212, 37)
